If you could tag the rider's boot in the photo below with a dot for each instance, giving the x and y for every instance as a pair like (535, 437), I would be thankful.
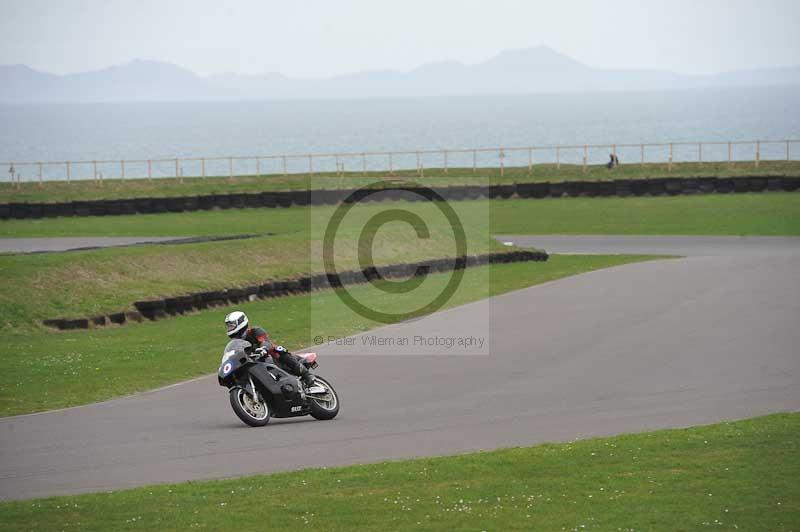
(298, 369)
(307, 377)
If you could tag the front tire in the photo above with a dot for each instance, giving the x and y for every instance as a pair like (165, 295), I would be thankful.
(324, 410)
(252, 412)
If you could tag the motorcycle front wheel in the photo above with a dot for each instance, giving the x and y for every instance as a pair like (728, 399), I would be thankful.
(254, 412)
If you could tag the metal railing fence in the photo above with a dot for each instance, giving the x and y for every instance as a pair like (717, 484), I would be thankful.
(388, 162)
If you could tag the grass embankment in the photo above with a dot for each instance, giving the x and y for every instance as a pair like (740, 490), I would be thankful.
(55, 191)
(79, 367)
(88, 282)
(729, 476)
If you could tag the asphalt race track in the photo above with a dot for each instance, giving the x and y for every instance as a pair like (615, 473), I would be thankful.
(36, 245)
(55, 244)
(667, 343)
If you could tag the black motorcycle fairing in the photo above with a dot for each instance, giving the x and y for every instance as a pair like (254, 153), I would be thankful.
(234, 356)
(272, 382)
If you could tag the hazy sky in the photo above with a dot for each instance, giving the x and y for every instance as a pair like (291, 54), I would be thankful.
(315, 38)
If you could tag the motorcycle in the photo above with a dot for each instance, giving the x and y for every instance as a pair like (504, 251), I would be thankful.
(259, 390)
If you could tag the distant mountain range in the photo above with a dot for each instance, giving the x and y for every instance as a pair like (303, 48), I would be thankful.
(530, 70)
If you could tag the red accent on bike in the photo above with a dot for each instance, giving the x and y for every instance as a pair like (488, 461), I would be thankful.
(308, 357)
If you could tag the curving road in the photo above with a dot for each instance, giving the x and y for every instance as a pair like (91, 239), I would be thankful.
(81, 243)
(666, 343)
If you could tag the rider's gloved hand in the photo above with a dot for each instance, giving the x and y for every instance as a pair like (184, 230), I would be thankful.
(260, 351)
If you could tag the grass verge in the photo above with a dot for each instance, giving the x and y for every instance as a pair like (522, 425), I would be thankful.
(731, 476)
(73, 368)
(56, 191)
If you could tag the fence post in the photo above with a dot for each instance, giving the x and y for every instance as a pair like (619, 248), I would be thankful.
(68, 172)
(40, 175)
(418, 163)
(585, 156)
(787, 150)
(614, 151)
(149, 169)
(530, 160)
(203, 166)
(558, 157)
(669, 165)
(310, 165)
(445, 161)
(422, 167)
(122, 169)
(94, 166)
(363, 163)
(730, 152)
(641, 149)
(700, 151)
(502, 164)
(284, 165)
(474, 161)
(178, 173)
(336, 159)
(391, 170)
(758, 152)
(258, 167)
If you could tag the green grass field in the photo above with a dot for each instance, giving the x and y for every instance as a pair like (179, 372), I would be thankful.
(70, 368)
(52, 191)
(730, 476)
(733, 214)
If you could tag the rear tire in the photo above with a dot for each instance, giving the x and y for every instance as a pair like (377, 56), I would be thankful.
(253, 413)
(324, 410)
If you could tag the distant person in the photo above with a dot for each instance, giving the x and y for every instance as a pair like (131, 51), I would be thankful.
(613, 161)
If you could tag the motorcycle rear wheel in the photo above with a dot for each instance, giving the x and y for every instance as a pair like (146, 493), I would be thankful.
(324, 410)
(252, 412)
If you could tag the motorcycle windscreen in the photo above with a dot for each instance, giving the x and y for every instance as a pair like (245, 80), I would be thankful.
(236, 347)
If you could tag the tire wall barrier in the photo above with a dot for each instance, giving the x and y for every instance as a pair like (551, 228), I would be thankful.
(155, 309)
(620, 187)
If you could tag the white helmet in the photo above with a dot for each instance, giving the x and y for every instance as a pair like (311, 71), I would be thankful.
(236, 323)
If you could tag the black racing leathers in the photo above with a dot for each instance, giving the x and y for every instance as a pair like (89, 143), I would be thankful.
(258, 337)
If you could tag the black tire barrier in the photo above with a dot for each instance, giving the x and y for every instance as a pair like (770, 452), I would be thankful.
(707, 185)
(724, 185)
(638, 187)
(622, 187)
(557, 190)
(656, 187)
(501, 191)
(741, 184)
(674, 186)
(156, 309)
(757, 184)
(607, 188)
(774, 183)
(618, 187)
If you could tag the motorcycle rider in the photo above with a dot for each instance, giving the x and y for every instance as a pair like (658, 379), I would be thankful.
(237, 326)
